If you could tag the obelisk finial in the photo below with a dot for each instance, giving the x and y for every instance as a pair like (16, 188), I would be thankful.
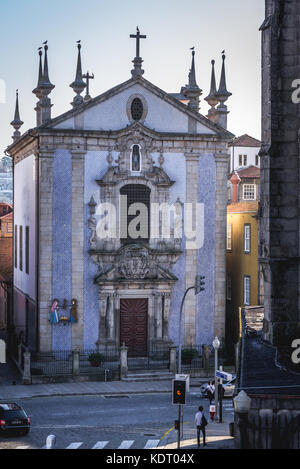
(78, 85)
(17, 123)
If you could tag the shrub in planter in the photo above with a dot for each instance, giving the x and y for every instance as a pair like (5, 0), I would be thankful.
(96, 359)
(187, 355)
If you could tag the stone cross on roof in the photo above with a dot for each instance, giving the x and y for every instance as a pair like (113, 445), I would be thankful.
(137, 36)
(138, 60)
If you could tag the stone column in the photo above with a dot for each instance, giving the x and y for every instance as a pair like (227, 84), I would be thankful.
(173, 364)
(206, 354)
(45, 248)
(222, 159)
(27, 368)
(75, 363)
(110, 321)
(192, 162)
(166, 316)
(159, 329)
(78, 245)
(123, 361)
(102, 320)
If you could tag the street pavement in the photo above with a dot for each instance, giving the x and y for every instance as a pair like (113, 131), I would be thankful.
(217, 433)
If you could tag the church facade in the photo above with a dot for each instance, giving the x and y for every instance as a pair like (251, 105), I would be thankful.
(119, 204)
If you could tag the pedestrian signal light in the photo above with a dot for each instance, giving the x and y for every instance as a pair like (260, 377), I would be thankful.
(179, 392)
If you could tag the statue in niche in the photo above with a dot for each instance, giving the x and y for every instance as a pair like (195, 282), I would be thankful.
(136, 158)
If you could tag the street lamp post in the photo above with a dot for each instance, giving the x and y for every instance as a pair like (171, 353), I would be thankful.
(216, 346)
(198, 287)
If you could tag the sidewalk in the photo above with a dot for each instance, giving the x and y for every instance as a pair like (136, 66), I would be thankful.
(217, 437)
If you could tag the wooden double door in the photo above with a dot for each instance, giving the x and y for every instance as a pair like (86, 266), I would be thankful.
(134, 326)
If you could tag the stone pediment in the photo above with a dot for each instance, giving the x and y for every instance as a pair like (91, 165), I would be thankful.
(100, 107)
(135, 263)
(156, 175)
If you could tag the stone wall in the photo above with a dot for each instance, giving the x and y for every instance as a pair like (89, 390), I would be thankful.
(280, 172)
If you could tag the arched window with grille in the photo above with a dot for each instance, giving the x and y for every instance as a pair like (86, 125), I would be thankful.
(137, 109)
(135, 214)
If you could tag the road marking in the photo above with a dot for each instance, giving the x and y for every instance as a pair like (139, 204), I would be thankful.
(100, 445)
(74, 445)
(151, 444)
(126, 444)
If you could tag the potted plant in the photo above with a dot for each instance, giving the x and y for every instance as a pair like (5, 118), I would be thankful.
(187, 355)
(96, 359)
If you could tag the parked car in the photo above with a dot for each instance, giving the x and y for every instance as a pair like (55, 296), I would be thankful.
(228, 388)
(13, 419)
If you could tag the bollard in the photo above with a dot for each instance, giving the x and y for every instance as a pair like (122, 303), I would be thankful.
(50, 442)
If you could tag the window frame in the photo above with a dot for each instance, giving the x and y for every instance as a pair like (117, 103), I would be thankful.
(21, 248)
(128, 191)
(229, 238)
(16, 246)
(254, 191)
(247, 291)
(27, 247)
(247, 239)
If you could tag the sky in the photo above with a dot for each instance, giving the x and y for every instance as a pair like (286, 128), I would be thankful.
(103, 26)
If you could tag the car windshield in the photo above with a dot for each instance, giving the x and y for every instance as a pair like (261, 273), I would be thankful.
(14, 414)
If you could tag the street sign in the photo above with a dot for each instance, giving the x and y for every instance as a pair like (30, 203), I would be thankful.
(223, 375)
(184, 378)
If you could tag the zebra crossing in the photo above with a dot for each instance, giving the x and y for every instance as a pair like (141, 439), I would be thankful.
(125, 444)
(228, 406)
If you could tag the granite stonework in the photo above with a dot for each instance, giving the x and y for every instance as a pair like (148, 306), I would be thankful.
(85, 158)
(280, 177)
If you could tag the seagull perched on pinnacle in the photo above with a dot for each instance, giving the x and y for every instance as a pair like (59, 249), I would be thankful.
(78, 42)
(192, 48)
(45, 43)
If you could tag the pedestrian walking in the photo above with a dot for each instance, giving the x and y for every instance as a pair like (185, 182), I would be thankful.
(201, 422)
(210, 391)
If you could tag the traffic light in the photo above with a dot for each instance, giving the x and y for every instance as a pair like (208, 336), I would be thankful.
(179, 392)
(200, 284)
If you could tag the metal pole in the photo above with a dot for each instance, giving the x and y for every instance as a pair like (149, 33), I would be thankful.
(216, 382)
(179, 358)
(221, 399)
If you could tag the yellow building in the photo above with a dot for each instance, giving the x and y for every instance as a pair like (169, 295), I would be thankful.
(242, 247)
